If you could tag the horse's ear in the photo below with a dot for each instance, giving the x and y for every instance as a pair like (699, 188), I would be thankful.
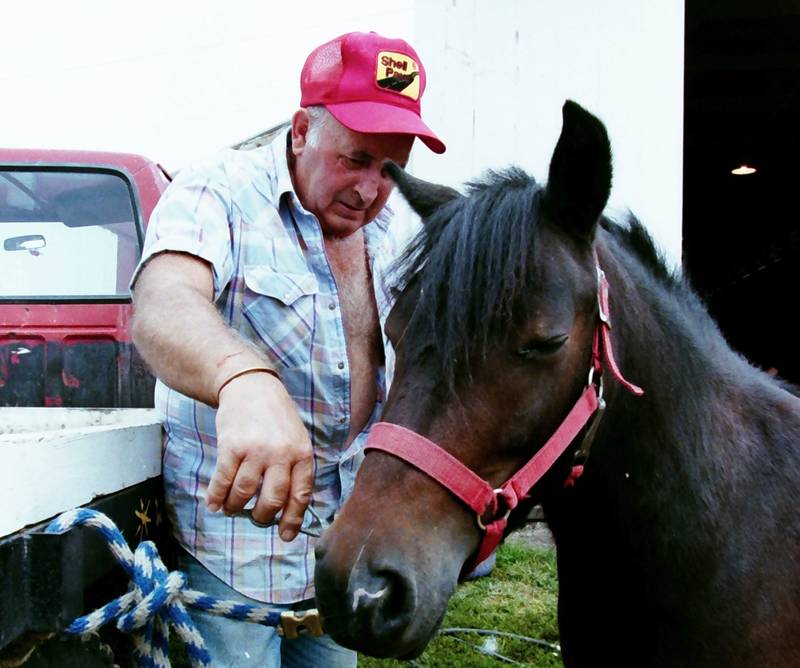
(422, 196)
(579, 182)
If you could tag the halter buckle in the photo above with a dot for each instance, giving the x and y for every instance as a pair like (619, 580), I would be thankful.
(602, 298)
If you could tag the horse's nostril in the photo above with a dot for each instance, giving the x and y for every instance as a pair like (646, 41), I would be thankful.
(398, 598)
(366, 606)
(386, 607)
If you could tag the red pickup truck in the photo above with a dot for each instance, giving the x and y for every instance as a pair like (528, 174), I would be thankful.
(71, 228)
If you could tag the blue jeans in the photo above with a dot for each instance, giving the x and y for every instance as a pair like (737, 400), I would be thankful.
(238, 644)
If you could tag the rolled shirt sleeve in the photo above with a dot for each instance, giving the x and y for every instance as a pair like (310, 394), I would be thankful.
(194, 215)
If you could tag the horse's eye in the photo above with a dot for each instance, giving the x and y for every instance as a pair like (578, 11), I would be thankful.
(534, 349)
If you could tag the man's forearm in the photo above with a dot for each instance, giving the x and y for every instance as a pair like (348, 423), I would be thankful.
(181, 335)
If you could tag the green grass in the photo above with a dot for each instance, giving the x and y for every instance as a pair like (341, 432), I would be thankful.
(518, 597)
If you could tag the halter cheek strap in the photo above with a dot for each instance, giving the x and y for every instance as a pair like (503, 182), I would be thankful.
(601, 345)
(473, 490)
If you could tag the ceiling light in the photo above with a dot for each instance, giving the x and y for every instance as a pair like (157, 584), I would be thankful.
(743, 170)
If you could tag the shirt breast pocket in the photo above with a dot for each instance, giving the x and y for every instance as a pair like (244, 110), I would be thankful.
(280, 308)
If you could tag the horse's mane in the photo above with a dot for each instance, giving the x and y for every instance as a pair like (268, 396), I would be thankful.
(638, 240)
(634, 237)
(636, 247)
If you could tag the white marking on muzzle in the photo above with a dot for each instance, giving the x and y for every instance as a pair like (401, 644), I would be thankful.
(358, 557)
(358, 593)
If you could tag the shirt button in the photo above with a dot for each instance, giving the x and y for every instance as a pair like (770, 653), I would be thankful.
(331, 306)
(342, 420)
(340, 365)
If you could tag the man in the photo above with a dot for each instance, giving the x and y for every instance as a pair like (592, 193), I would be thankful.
(260, 295)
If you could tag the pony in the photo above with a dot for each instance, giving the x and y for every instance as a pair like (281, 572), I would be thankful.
(672, 500)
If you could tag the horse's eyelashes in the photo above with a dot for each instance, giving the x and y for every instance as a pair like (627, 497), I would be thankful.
(536, 349)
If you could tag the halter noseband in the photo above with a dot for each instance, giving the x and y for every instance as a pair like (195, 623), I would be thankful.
(473, 490)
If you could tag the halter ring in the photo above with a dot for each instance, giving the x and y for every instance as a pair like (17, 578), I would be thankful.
(497, 492)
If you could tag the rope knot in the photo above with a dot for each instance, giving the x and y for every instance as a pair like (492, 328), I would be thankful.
(157, 598)
(154, 590)
(152, 604)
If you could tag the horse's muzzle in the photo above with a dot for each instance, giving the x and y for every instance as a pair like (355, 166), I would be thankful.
(373, 606)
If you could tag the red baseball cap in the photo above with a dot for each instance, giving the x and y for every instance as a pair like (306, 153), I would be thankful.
(369, 84)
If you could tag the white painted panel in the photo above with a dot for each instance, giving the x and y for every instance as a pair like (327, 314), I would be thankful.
(500, 71)
(28, 420)
(52, 460)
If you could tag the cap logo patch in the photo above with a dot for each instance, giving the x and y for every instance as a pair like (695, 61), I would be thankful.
(398, 73)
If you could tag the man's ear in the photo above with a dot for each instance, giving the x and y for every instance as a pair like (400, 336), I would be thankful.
(300, 125)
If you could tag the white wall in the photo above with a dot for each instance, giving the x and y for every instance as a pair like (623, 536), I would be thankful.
(499, 72)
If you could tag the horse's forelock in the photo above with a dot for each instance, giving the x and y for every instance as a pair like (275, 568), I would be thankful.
(473, 264)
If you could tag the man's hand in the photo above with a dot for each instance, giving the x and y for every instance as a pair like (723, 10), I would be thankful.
(261, 439)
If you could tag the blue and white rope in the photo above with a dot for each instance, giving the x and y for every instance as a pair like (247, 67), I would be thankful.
(156, 599)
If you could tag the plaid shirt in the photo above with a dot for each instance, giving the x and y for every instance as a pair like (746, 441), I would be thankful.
(273, 285)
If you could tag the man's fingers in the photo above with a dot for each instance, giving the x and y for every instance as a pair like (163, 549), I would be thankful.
(299, 497)
(221, 481)
(274, 490)
(244, 486)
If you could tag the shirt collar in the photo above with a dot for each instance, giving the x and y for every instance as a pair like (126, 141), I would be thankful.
(279, 147)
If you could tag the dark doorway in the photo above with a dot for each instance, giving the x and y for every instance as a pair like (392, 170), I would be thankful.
(742, 233)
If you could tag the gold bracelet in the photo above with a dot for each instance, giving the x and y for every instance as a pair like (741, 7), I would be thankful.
(242, 372)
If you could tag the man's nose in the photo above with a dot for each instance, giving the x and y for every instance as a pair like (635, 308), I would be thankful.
(368, 185)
